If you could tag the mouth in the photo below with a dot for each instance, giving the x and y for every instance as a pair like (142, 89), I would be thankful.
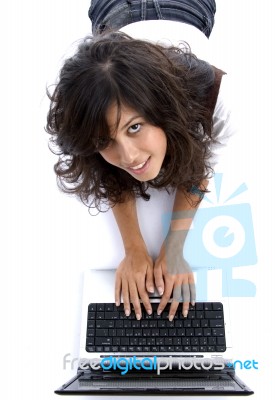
(140, 168)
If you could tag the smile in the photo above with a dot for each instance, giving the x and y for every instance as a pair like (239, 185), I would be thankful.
(140, 168)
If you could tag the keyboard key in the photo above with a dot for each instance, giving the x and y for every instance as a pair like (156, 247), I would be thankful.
(92, 307)
(104, 324)
(168, 341)
(112, 314)
(196, 323)
(101, 332)
(207, 332)
(212, 341)
(191, 314)
(216, 323)
(221, 341)
(117, 341)
(220, 348)
(213, 314)
(91, 324)
(217, 306)
(217, 331)
(101, 341)
(203, 341)
(90, 341)
(91, 315)
(198, 332)
(199, 315)
(90, 349)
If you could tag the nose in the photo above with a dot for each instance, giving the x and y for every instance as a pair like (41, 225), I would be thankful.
(127, 150)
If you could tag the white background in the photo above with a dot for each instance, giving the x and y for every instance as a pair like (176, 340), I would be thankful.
(49, 239)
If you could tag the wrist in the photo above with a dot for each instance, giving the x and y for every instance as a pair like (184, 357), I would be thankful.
(137, 244)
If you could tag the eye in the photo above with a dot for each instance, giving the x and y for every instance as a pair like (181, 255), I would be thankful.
(134, 128)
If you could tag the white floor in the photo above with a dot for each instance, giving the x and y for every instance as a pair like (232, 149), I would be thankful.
(49, 239)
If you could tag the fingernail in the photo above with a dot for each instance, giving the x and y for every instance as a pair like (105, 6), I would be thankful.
(127, 313)
(159, 312)
(193, 303)
(160, 290)
(185, 313)
(138, 317)
(117, 303)
(151, 289)
(171, 317)
(149, 312)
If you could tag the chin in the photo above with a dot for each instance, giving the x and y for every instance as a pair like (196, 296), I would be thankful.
(147, 178)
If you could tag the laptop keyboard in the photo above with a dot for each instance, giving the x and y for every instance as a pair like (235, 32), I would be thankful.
(109, 330)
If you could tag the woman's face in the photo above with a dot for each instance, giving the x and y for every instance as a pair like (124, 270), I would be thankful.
(136, 146)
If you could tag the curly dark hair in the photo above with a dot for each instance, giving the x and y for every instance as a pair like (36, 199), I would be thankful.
(167, 86)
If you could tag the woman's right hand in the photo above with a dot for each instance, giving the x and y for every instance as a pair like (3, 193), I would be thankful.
(134, 279)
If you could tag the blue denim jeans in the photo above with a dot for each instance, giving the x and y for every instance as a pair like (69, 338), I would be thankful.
(114, 14)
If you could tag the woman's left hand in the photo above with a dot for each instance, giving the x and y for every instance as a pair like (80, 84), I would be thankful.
(173, 275)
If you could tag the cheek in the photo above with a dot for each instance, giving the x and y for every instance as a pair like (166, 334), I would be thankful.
(162, 144)
(108, 156)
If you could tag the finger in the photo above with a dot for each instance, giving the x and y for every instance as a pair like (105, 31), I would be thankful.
(186, 298)
(145, 299)
(166, 295)
(159, 282)
(173, 309)
(192, 288)
(135, 300)
(117, 289)
(150, 279)
(125, 296)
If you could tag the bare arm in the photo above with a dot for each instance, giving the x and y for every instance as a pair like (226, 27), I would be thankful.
(134, 276)
(172, 273)
(127, 221)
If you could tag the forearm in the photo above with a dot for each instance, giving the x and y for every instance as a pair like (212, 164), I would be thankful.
(126, 217)
(185, 208)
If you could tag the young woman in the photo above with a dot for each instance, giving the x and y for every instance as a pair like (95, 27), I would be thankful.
(127, 115)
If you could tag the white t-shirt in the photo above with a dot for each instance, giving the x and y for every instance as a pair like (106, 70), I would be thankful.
(172, 32)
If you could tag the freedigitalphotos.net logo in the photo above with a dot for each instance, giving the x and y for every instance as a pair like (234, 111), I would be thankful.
(157, 364)
(221, 237)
